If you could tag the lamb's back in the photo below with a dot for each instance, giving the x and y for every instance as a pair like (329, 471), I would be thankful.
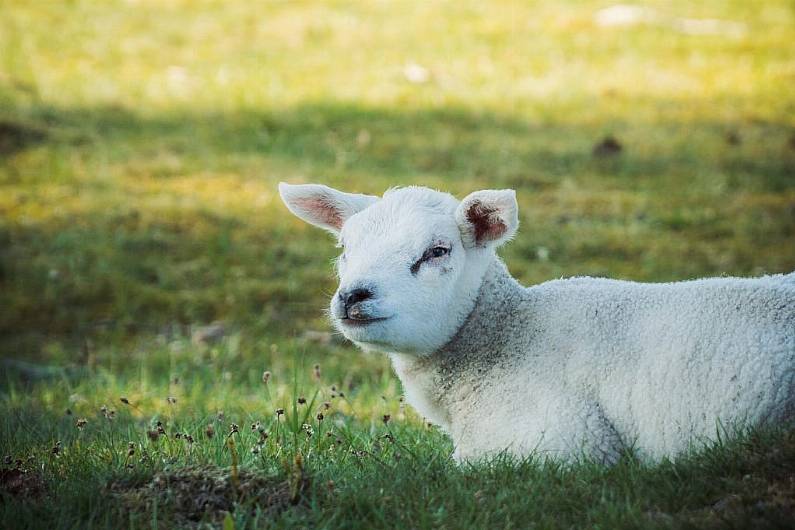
(670, 362)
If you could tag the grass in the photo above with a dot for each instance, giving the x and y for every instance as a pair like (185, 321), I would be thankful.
(140, 147)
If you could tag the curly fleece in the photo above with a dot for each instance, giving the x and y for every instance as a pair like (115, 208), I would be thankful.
(593, 367)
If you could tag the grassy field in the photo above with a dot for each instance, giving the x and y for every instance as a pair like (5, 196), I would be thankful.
(140, 147)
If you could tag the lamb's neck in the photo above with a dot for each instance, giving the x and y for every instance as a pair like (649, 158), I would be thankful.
(481, 334)
(430, 381)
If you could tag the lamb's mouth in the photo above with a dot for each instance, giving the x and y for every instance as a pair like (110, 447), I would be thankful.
(360, 322)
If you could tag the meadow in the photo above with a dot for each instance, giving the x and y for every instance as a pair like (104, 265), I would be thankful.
(150, 276)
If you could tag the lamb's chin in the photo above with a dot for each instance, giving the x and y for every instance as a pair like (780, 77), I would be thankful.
(367, 337)
(386, 336)
(386, 345)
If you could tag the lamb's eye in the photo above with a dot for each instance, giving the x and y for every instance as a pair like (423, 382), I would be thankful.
(438, 252)
(431, 253)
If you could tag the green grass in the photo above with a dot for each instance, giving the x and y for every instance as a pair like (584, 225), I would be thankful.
(140, 147)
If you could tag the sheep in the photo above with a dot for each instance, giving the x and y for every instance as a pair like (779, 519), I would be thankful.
(568, 369)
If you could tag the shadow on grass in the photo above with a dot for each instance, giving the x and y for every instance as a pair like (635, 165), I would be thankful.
(122, 262)
(444, 145)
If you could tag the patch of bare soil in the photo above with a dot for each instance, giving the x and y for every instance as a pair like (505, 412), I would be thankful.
(22, 483)
(206, 493)
(763, 499)
(16, 137)
(771, 507)
(608, 146)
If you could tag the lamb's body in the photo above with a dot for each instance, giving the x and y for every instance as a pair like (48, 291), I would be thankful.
(575, 367)
(594, 366)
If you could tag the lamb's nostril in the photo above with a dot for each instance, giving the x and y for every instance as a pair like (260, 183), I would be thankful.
(356, 296)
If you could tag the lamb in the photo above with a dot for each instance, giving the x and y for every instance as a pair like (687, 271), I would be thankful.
(571, 368)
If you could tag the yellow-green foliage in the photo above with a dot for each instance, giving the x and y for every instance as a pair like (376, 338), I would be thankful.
(144, 140)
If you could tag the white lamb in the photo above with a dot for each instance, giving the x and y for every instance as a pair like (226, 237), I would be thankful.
(569, 368)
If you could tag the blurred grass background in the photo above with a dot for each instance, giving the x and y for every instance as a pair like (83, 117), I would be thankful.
(140, 147)
(142, 142)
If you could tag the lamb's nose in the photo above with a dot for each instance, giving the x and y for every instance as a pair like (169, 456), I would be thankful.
(355, 296)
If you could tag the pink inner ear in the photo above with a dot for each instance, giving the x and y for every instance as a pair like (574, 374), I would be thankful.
(320, 210)
(488, 225)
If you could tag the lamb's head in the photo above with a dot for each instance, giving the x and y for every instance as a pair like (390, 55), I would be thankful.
(412, 262)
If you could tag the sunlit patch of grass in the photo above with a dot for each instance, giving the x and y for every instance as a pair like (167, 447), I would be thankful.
(169, 456)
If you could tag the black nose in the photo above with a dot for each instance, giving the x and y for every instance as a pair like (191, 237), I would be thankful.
(355, 296)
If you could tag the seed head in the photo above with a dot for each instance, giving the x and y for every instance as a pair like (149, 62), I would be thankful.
(266, 376)
(317, 372)
(124, 400)
(209, 431)
(320, 416)
(233, 428)
(255, 449)
(153, 435)
(386, 418)
(188, 438)
(255, 426)
(171, 400)
(81, 423)
(279, 412)
(178, 435)
(68, 412)
(56, 449)
(7, 460)
(342, 395)
(302, 400)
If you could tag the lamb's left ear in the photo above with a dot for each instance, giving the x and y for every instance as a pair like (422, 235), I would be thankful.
(488, 218)
(323, 206)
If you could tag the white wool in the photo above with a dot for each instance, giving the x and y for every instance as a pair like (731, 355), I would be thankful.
(583, 366)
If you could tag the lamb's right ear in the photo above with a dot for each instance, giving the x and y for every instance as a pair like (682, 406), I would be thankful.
(323, 206)
(488, 218)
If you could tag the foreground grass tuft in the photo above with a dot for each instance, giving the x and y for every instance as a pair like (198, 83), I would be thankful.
(188, 495)
(315, 451)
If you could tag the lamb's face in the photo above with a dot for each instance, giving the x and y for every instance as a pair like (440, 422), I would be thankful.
(411, 262)
(401, 263)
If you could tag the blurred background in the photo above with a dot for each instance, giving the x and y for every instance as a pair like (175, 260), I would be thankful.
(141, 143)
